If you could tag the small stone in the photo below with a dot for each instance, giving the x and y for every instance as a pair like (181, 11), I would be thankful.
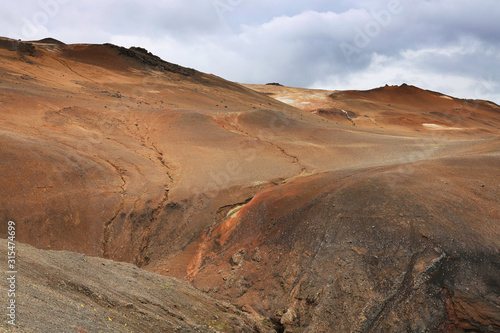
(237, 258)
(256, 255)
(289, 317)
(360, 251)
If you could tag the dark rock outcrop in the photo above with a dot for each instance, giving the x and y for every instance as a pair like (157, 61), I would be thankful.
(147, 58)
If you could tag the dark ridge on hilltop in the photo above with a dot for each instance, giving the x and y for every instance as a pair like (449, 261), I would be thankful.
(22, 48)
(49, 40)
(147, 58)
(274, 84)
(401, 89)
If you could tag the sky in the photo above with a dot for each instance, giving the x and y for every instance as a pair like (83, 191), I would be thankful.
(449, 46)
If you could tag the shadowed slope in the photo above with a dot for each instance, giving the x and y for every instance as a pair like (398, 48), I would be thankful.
(384, 249)
(69, 292)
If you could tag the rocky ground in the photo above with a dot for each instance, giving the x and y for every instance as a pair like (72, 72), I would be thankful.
(289, 209)
(59, 291)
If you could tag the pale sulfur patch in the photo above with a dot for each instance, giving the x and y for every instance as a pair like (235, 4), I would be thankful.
(441, 127)
(446, 97)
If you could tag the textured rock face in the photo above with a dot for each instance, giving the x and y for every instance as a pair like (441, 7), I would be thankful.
(367, 254)
(70, 292)
(367, 211)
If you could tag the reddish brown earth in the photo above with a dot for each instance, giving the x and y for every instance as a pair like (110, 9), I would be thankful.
(402, 108)
(345, 211)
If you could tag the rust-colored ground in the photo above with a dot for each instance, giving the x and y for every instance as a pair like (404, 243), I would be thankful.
(346, 211)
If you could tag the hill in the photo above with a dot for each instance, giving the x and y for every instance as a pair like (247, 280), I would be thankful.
(362, 211)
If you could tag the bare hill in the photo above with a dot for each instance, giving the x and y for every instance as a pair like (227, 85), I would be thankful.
(313, 211)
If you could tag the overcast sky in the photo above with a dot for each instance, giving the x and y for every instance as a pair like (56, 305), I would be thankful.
(450, 46)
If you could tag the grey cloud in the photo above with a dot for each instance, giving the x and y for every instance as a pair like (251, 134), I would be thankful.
(316, 37)
(295, 42)
(179, 18)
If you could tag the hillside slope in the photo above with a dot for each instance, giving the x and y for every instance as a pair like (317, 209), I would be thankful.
(61, 291)
(402, 108)
(359, 211)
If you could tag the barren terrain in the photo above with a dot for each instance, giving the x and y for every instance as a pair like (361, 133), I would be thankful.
(288, 209)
